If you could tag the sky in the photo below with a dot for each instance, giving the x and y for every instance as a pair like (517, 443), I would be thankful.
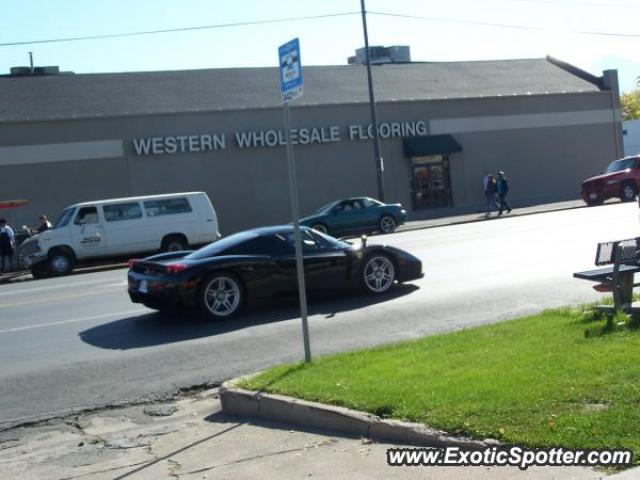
(451, 30)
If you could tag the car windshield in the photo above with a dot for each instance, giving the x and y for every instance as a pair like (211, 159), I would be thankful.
(337, 244)
(326, 208)
(620, 165)
(66, 215)
(221, 245)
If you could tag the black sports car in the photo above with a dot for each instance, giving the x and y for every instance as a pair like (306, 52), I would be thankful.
(220, 278)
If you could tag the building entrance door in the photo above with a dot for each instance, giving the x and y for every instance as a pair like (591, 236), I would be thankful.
(430, 184)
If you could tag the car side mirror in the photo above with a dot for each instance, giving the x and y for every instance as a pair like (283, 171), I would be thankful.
(364, 240)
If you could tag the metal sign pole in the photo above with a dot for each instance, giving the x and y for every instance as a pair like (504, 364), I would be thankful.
(293, 186)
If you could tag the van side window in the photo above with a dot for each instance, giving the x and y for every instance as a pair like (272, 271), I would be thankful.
(122, 211)
(87, 215)
(170, 206)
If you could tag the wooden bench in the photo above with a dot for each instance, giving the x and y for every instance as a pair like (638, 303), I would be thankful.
(623, 260)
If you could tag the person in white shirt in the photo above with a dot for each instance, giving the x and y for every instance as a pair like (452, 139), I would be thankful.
(7, 246)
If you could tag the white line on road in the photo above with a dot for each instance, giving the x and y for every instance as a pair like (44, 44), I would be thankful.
(72, 320)
(64, 285)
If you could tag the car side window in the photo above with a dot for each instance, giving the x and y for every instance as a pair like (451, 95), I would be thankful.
(358, 204)
(310, 243)
(86, 215)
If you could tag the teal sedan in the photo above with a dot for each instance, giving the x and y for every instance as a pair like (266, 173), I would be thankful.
(356, 216)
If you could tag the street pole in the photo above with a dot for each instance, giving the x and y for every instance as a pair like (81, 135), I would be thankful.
(293, 187)
(372, 105)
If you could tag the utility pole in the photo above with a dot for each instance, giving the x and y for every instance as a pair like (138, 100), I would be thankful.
(31, 61)
(372, 105)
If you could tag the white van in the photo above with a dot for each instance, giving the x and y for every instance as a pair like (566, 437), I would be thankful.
(121, 226)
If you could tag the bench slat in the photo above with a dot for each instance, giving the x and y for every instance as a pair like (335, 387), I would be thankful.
(605, 273)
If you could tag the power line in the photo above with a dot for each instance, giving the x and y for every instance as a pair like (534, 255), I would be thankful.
(315, 17)
(583, 4)
(501, 25)
(183, 29)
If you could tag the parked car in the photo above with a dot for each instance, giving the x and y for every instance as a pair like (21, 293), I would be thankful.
(355, 216)
(218, 279)
(620, 179)
(121, 226)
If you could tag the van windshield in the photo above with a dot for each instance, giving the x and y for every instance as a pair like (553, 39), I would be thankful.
(67, 214)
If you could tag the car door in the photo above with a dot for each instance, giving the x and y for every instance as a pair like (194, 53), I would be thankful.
(88, 234)
(325, 268)
(348, 217)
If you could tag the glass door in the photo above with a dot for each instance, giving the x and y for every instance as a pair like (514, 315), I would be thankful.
(430, 185)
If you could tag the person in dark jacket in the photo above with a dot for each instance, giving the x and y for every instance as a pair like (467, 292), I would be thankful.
(502, 187)
(489, 184)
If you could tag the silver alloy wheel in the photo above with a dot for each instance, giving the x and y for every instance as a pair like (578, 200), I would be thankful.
(628, 192)
(320, 228)
(60, 263)
(387, 224)
(379, 274)
(222, 296)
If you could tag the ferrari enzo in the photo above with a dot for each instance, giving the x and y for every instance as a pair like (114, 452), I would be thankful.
(218, 279)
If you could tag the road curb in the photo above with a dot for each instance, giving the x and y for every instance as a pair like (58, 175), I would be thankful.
(239, 402)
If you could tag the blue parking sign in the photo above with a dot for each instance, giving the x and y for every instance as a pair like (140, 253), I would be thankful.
(290, 70)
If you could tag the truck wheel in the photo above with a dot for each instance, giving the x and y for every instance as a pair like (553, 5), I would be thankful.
(174, 243)
(61, 262)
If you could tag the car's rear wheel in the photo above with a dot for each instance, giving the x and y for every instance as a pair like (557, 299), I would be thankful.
(387, 224)
(628, 193)
(221, 296)
(320, 227)
(378, 274)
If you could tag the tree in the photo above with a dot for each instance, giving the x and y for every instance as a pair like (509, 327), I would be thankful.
(630, 103)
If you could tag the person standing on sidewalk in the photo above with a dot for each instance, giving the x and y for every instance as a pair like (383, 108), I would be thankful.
(7, 246)
(489, 184)
(502, 187)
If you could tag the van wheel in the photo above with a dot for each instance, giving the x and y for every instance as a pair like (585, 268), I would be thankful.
(61, 262)
(174, 243)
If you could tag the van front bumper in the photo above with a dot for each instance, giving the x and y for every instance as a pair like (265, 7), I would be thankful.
(31, 260)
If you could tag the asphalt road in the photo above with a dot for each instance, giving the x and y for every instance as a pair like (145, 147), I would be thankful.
(77, 342)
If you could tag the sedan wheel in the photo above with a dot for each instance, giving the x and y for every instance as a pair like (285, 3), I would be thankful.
(221, 296)
(387, 224)
(378, 274)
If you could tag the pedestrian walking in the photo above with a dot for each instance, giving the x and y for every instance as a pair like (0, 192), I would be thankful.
(7, 246)
(489, 185)
(502, 187)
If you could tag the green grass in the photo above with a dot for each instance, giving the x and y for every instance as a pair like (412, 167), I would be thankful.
(554, 379)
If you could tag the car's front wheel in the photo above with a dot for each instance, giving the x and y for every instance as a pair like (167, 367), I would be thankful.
(378, 274)
(61, 262)
(628, 193)
(220, 296)
(387, 224)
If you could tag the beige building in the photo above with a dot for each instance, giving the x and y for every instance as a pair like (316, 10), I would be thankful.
(69, 138)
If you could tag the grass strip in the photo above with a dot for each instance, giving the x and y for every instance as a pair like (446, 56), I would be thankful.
(559, 378)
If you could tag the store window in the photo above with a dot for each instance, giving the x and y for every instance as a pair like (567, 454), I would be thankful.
(430, 182)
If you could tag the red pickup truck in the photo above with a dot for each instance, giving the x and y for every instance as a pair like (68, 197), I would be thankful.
(621, 179)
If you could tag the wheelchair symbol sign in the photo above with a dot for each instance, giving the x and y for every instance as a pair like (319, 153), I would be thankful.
(290, 70)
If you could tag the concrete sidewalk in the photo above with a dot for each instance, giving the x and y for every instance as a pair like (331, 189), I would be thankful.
(189, 438)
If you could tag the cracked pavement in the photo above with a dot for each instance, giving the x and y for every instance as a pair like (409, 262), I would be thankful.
(189, 438)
